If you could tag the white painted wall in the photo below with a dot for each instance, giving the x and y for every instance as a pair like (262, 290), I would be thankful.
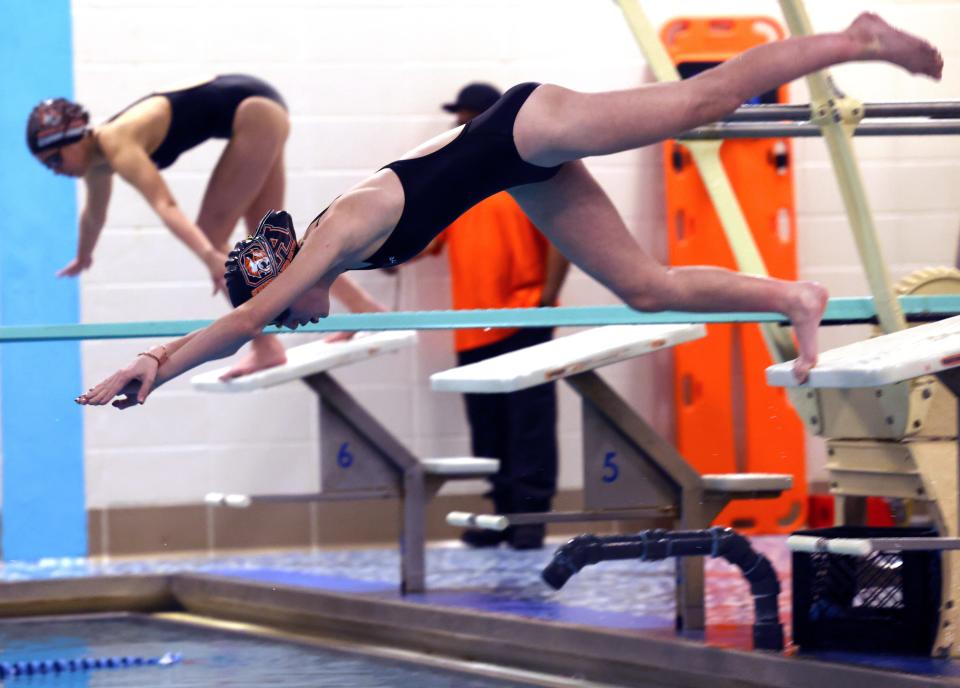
(364, 80)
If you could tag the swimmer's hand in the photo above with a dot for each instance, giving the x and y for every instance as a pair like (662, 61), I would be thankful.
(75, 266)
(131, 385)
(215, 261)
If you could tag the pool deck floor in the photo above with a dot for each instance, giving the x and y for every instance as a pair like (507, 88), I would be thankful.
(491, 601)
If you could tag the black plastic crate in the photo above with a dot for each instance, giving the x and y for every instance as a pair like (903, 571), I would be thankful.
(885, 602)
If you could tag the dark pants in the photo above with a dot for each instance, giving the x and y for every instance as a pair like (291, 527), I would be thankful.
(519, 429)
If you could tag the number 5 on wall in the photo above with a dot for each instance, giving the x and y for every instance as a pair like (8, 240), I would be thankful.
(612, 469)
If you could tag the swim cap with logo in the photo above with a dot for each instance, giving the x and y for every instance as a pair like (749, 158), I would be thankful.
(257, 260)
(54, 123)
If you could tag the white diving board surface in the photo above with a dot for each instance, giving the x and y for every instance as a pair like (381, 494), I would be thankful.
(308, 359)
(563, 357)
(914, 352)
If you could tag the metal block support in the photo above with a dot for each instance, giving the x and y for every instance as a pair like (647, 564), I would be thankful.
(359, 455)
(627, 462)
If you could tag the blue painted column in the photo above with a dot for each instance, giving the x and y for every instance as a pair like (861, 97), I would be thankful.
(43, 506)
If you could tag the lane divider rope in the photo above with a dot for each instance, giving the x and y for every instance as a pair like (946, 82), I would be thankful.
(58, 666)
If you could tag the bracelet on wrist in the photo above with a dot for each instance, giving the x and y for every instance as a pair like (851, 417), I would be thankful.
(150, 355)
(161, 359)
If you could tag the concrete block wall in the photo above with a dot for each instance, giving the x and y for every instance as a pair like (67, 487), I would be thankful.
(364, 80)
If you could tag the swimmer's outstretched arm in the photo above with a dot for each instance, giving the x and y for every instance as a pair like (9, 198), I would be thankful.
(99, 184)
(131, 385)
(356, 225)
(132, 163)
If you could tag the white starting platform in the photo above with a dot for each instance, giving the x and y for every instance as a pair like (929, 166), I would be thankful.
(563, 357)
(629, 470)
(908, 381)
(904, 355)
(308, 359)
(359, 457)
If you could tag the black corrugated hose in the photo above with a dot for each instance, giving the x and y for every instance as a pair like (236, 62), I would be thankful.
(653, 545)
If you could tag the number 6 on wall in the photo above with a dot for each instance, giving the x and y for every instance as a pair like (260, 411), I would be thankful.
(344, 457)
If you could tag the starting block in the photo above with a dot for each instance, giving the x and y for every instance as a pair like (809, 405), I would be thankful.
(359, 457)
(629, 470)
(907, 383)
(923, 350)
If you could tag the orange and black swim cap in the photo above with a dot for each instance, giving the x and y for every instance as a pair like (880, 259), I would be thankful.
(257, 260)
(54, 123)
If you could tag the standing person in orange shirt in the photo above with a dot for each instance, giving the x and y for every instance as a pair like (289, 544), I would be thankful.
(499, 259)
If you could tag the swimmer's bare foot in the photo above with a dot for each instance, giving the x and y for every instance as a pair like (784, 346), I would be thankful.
(807, 301)
(266, 352)
(880, 41)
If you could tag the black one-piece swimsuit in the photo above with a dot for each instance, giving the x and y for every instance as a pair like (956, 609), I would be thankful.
(205, 111)
(440, 186)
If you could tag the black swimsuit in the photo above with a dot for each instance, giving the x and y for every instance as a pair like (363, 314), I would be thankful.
(206, 111)
(442, 185)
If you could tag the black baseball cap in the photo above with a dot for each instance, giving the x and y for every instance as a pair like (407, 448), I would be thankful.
(475, 96)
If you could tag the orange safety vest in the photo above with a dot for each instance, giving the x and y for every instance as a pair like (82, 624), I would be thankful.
(498, 259)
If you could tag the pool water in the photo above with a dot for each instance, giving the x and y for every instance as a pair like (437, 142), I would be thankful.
(210, 658)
